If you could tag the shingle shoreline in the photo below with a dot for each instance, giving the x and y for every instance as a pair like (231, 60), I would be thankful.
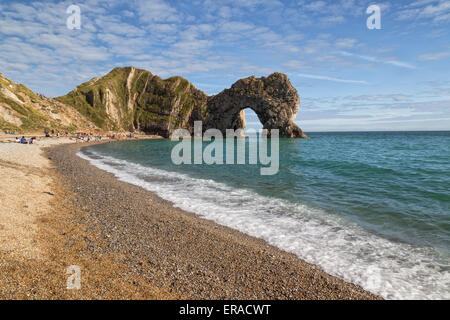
(180, 252)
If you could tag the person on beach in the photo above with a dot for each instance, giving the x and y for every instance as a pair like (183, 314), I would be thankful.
(23, 140)
(17, 140)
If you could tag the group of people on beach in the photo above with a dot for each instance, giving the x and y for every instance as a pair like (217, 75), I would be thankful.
(87, 137)
(55, 133)
(120, 136)
(23, 140)
(79, 136)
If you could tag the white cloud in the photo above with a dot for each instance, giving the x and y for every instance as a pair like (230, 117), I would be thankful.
(379, 60)
(434, 56)
(332, 19)
(316, 6)
(436, 10)
(346, 43)
(156, 11)
(297, 65)
(344, 115)
(327, 78)
(376, 97)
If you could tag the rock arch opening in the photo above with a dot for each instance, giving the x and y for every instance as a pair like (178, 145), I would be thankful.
(251, 121)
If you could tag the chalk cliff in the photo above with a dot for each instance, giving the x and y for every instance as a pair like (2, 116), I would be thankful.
(130, 99)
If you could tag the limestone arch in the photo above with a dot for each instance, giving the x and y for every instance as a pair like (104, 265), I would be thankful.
(274, 100)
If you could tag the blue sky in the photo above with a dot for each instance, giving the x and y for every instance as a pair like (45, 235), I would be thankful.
(348, 77)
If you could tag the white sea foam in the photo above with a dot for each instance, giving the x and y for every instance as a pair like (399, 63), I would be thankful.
(391, 269)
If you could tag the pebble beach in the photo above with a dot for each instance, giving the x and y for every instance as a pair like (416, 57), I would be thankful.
(128, 242)
(183, 254)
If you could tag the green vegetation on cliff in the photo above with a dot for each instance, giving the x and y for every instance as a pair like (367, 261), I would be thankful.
(21, 110)
(129, 99)
(30, 119)
(135, 99)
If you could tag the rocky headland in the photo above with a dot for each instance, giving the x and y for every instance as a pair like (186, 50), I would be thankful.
(134, 100)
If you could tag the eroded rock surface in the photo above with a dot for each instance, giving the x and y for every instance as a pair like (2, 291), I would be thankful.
(273, 99)
(130, 99)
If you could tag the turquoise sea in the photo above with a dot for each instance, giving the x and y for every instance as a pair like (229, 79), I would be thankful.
(370, 207)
